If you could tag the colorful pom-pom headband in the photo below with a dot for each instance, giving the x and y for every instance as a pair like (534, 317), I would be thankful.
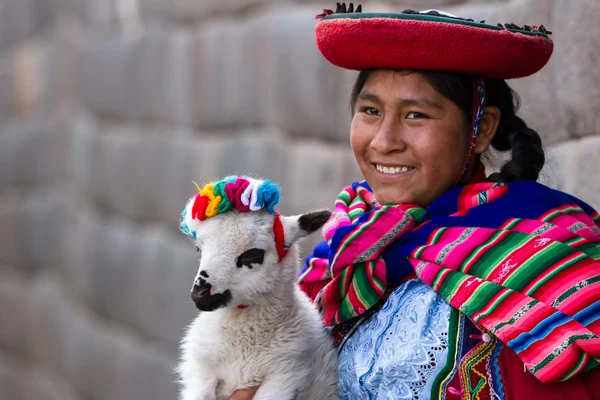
(234, 193)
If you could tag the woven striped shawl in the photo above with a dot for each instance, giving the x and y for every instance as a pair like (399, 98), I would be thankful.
(521, 260)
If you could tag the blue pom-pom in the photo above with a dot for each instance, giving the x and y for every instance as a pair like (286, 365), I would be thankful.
(267, 196)
(183, 227)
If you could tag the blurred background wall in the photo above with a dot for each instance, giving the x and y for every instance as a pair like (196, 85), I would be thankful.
(110, 108)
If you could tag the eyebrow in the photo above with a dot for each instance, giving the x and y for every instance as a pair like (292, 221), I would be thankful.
(412, 102)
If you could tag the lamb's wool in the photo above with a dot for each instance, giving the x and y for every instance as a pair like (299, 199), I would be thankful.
(276, 339)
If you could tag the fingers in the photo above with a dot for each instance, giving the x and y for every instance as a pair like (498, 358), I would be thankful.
(244, 394)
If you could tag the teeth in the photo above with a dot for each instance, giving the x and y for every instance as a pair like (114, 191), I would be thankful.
(391, 170)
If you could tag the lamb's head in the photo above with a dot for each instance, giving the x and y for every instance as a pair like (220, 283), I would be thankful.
(247, 250)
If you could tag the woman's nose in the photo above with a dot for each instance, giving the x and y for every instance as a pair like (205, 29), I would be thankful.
(388, 138)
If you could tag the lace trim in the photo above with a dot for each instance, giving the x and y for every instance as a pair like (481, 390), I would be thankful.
(397, 352)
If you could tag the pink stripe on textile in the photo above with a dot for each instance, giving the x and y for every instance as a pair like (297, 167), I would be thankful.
(567, 221)
(318, 270)
(380, 225)
(572, 304)
(569, 278)
(543, 276)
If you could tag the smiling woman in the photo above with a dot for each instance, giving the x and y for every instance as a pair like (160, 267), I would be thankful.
(440, 282)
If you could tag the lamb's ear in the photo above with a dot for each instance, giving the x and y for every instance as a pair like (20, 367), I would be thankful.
(299, 226)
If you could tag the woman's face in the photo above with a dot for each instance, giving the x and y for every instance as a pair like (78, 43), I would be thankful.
(410, 142)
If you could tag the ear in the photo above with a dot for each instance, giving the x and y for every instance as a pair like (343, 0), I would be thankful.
(487, 128)
(299, 226)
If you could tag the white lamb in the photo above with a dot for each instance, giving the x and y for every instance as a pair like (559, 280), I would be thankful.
(255, 326)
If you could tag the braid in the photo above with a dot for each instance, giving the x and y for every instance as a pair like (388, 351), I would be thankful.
(527, 155)
(527, 158)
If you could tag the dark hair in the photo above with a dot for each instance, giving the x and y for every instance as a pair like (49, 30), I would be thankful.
(527, 155)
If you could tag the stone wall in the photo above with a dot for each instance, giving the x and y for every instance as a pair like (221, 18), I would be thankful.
(110, 108)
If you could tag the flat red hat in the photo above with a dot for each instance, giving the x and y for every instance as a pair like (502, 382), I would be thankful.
(431, 40)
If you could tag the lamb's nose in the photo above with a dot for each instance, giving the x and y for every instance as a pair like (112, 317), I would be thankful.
(201, 288)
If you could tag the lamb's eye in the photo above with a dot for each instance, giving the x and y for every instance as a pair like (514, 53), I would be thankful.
(197, 249)
(249, 257)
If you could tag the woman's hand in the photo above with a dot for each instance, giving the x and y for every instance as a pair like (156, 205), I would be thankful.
(244, 394)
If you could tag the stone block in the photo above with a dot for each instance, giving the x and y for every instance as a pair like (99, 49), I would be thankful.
(19, 380)
(82, 143)
(11, 243)
(190, 9)
(102, 359)
(560, 166)
(252, 152)
(214, 75)
(139, 277)
(21, 19)
(309, 94)
(162, 276)
(41, 218)
(107, 66)
(114, 169)
(538, 94)
(169, 76)
(576, 57)
(317, 173)
(587, 171)
(164, 173)
(575, 167)
(16, 312)
(25, 150)
(28, 78)
(8, 86)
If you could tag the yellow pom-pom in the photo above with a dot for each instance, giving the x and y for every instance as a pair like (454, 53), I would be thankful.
(209, 191)
(213, 207)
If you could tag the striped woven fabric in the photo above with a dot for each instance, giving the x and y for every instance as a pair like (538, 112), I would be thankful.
(520, 260)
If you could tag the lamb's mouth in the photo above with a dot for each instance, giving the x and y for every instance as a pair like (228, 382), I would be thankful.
(211, 302)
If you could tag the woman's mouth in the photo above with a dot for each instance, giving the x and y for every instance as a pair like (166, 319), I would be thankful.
(392, 170)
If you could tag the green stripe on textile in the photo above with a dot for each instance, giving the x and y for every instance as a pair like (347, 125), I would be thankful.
(501, 295)
(449, 284)
(452, 358)
(481, 297)
(558, 351)
(591, 249)
(583, 359)
(348, 240)
(575, 288)
(432, 241)
(512, 224)
(497, 253)
(536, 265)
(515, 317)
(365, 291)
(554, 272)
(477, 252)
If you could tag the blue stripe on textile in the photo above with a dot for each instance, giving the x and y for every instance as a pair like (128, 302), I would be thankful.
(543, 329)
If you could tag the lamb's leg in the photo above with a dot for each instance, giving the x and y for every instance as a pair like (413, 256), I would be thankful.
(280, 387)
(203, 388)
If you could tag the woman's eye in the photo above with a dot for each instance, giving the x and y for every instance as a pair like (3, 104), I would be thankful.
(415, 115)
(370, 111)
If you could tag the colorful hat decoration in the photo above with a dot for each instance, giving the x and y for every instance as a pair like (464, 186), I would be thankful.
(430, 40)
(234, 193)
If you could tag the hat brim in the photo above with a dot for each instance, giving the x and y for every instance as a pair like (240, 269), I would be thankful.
(422, 42)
